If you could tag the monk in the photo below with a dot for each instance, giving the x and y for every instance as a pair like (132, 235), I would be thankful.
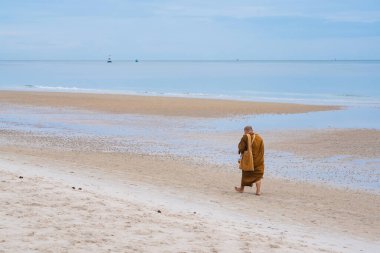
(250, 177)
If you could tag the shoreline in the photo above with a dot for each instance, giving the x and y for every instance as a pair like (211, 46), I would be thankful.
(340, 158)
(155, 105)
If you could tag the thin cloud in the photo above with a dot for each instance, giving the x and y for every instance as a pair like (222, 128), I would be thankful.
(355, 17)
(236, 11)
(244, 11)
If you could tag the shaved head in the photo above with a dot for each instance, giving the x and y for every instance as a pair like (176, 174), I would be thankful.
(248, 129)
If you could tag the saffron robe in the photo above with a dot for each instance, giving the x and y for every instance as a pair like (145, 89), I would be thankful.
(250, 177)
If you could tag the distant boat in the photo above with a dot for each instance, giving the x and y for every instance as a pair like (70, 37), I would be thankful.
(109, 59)
(136, 60)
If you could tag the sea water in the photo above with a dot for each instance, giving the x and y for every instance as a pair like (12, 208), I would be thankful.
(353, 84)
(310, 82)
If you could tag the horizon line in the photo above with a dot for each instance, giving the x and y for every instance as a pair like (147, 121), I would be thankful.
(193, 60)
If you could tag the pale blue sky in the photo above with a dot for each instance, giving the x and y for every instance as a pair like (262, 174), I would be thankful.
(192, 29)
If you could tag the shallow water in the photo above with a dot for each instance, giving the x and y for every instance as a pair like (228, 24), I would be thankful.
(199, 138)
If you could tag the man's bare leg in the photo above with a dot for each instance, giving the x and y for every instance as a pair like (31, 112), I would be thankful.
(241, 189)
(258, 187)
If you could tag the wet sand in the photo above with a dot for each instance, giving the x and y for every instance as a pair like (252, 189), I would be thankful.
(154, 105)
(353, 143)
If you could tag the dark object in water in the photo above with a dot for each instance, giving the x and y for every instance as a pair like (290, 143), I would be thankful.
(21, 177)
(158, 211)
(136, 60)
(73, 187)
(79, 188)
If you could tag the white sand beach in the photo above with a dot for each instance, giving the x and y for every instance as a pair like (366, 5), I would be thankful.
(130, 206)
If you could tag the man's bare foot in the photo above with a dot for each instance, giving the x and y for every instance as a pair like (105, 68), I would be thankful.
(241, 190)
(258, 193)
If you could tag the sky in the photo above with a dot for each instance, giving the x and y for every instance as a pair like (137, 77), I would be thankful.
(189, 29)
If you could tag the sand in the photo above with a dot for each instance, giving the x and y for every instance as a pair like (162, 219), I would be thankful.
(114, 212)
(121, 193)
(154, 105)
(133, 201)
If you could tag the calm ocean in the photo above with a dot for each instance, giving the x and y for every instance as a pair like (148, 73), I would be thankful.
(312, 82)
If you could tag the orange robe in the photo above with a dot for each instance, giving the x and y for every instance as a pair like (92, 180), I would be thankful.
(250, 177)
